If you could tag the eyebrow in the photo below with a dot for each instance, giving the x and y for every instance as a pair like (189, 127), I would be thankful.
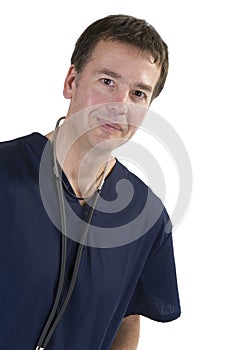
(144, 87)
(115, 75)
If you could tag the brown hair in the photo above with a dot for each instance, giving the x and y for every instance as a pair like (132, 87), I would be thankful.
(127, 29)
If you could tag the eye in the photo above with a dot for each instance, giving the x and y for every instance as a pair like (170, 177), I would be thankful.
(140, 94)
(107, 81)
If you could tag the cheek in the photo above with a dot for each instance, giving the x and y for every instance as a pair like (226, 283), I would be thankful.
(97, 96)
(136, 115)
(131, 131)
(90, 98)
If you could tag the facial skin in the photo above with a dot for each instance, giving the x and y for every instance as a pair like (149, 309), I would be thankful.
(122, 78)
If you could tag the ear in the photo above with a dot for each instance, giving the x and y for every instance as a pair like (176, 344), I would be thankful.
(69, 83)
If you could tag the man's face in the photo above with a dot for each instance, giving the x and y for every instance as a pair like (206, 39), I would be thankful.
(113, 93)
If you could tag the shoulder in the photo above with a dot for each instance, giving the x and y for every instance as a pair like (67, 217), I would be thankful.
(18, 153)
(13, 147)
(148, 207)
(140, 188)
(21, 145)
(9, 153)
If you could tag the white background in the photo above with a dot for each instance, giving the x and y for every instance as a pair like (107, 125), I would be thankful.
(37, 39)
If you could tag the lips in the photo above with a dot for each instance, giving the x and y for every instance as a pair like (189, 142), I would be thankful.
(109, 126)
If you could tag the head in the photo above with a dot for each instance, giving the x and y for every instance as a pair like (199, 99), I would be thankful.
(132, 31)
(118, 67)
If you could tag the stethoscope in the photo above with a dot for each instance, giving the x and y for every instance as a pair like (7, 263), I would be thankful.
(53, 318)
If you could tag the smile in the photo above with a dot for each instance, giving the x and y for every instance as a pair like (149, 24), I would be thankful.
(109, 126)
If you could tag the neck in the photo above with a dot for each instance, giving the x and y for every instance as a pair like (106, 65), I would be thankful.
(84, 168)
(85, 171)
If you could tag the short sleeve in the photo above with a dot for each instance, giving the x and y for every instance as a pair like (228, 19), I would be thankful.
(156, 295)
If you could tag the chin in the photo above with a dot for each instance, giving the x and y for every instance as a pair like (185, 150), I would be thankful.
(106, 145)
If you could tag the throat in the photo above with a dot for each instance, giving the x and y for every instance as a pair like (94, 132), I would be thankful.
(90, 179)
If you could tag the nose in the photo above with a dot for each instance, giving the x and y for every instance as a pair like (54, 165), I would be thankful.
(117, 108)
(121, 95)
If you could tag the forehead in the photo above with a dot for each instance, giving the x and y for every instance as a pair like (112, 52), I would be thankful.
(125, 59)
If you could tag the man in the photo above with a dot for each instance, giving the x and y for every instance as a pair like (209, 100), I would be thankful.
(62, 291)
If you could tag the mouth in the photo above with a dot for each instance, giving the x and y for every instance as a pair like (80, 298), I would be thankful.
(109, 125)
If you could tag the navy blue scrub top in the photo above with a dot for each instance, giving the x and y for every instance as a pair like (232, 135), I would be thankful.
(137, 277)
